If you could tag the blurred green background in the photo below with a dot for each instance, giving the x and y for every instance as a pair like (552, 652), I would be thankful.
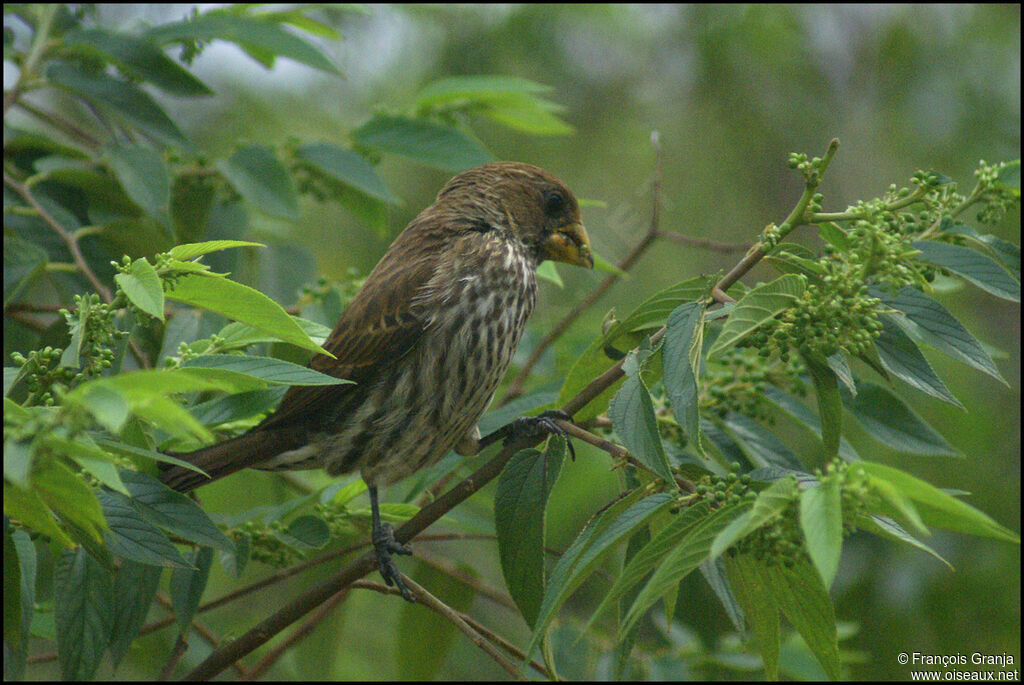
(731, 91)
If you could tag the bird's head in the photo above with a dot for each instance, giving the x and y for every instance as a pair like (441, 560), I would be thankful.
(526, 202)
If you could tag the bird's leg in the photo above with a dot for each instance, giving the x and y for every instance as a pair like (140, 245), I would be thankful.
(533, 426)
(384, 544)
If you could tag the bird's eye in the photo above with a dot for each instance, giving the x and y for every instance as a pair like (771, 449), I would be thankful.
(554, 202)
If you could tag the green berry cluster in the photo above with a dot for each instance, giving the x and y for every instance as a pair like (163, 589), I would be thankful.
(731, 488)
(41, 371)
(92, 323)
(997, 197)
(810, 168)
(264, 544)
(835, 315)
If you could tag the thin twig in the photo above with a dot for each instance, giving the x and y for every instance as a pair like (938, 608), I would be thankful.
(430, 601)
(458, 574)
(59, 123)
(264, 664)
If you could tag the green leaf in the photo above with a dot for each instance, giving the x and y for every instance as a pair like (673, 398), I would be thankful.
(979, 269)
(241, 303)
(68, 495)
(821, 519)
(143, 287)
(519, 521)
(761, 445)
(761, 612)
(143, 175)
(268, 369)
(681, 357)
(262, 40)
(188, 584)
(887, 419)
(435, 145)
(835, 236)
(348, 167)
(122, 98)
(931, 322)
(514, 102)
(903, 358)
(938, 508)
(757, 307)
(632, 415)
(648, 556)
(132, 537)
(141, 59)
(830, 403)
(693, 549)
(172, 511)
(306, 533)
(261, 179)
(799, 411)
(25, 554)
(83, 606)
(27, 507)
(487, 88)
(558, 588)
(804, 600)
(23, 262)
(888, 528)
(1007, 253)
(135, 587)
(193, 250)
(13, 627)
(770, 504)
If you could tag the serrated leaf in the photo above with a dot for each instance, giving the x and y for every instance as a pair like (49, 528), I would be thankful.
(932, 323)
(821, 519)
(83, 605)
(435, 145)
(760, 610)
(135, 587)
(519, 521)
(143, 287)
(241, 303)
(684, 558)
(938, 508)
(193, 250)
(887, 527)
(26, 506)
(903, 358)
(979, 269)
(757, 307)
(632, 415)
(172, 511)
(132, 537)
(1007, 253)
(804, 600)
(890, 421)
(257, 174)
(68, 495)
(681, 357)
(271, 370)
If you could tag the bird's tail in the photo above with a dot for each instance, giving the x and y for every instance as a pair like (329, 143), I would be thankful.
(226, 457)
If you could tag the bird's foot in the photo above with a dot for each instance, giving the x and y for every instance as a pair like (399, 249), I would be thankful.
(384, 545)
(539, 426)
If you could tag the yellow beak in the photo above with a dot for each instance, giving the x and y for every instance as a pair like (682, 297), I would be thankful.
(569, 244)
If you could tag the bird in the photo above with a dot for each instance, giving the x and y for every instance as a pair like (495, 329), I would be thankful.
(426, 341)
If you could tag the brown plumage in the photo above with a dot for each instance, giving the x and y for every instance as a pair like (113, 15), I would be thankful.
(426, 340)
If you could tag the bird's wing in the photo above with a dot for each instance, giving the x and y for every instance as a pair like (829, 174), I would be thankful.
(379, 326)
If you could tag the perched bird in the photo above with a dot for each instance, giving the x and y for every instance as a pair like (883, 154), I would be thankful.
(426, 340)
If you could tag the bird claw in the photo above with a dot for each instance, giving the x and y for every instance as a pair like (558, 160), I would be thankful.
(384, 545)
(541, 425)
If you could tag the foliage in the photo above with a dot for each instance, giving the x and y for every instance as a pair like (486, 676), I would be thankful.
(129, 213)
